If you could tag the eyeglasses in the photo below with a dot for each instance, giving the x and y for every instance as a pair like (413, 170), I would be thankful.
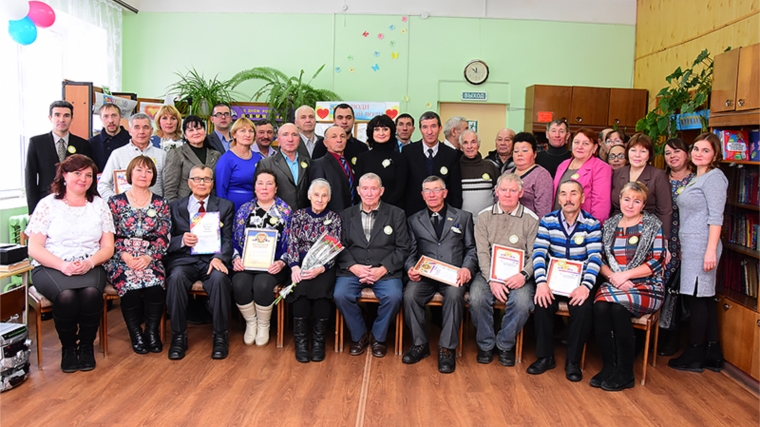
(220, 115)
(435, 191)
(198, 180)
(616, 156)
(615, 141)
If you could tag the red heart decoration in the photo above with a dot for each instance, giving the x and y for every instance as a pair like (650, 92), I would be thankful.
(391, 113)
(323, 112)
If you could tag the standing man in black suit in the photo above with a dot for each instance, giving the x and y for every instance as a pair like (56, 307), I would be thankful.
(306, 122)
(290, 168)
(220, 138)
(47, 150)
(335, 168)
(110, 138)
(430, 157)
(343, 117)
(185, 269)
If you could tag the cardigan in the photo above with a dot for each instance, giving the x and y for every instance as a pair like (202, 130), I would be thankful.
(659, 201)
(596, 178)
(516, 229)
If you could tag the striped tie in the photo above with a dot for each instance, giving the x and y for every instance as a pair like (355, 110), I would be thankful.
(347, 170)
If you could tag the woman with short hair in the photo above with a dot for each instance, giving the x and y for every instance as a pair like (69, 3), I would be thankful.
(195, 152)
(235, 169)
(537, 181)
(384, 160)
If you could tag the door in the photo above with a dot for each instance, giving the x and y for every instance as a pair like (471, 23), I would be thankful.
(725, 69)
(627, 106)
(590, 106)
(491, 118)
(737, 326)
(748, 83)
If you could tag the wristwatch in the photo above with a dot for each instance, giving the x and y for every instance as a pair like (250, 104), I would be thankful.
(525, 275)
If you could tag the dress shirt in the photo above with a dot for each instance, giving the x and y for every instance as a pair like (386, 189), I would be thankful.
(225, 143)
(425, 149)
(570, 227)
(270, 153)
(193, 205)
(309, 143)
(338, 157)
(368, 220)
(446, 141)
(293, 165)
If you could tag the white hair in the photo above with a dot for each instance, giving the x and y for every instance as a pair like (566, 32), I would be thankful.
(320, 183)
(451, 124)
(461, 136)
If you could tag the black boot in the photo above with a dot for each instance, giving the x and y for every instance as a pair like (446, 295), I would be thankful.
(134, 327)
(301, 339)
(153, 312)
(625, 351)
(606, 342)
(318, 340)
(714, 356)
(67, 333)
(669, 342)
(692, 359)
(88, 330)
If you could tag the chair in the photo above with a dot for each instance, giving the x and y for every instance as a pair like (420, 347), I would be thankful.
(282, 309)
(368, 295)
(437, 301)
(646, 323)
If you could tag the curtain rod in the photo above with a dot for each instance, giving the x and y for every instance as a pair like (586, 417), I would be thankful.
(126, 6)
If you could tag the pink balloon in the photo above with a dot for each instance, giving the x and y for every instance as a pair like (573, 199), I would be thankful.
(41, 14)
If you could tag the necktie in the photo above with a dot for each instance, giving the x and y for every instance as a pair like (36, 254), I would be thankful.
(61, 149)
(435, 223)
(429, 161)
(201, 209)
(346, 169)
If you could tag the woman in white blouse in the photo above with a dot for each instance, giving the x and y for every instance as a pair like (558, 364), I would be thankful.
(70, 237)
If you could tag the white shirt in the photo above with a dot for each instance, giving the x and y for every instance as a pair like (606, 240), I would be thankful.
(310, 143)
(446, 142)
(425, 149)
(119, 160)
(56, 138)
(193, 205)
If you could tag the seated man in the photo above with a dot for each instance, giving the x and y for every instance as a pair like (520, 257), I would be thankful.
(376, 244)
(443, 233)
(506, 223)
(185, 269)
(568, 233)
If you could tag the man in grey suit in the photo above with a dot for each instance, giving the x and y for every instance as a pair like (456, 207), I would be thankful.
(290, 167)
(446, 234)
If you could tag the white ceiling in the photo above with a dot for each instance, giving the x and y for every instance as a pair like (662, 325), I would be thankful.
(592, 11)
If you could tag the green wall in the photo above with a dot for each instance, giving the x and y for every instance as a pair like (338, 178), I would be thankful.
(432, 54)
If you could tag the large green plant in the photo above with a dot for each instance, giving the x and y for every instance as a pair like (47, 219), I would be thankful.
(283, 94)
(200, 94)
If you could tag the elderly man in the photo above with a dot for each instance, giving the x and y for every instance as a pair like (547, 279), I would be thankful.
(290, 167)
(478, 175)
(443, 233)
(376, 243)
(306, 122)
(185, 268)
(263, 139)
(502, 155)
(335, 168)
(558, 133)
(404, 131)
(112, 136)
(567, 233)
(343, 117)
(452, 129)
(506, 223)
(220, 138)
(140, 129)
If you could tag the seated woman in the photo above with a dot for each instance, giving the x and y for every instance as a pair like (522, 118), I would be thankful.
(70, 236)
(634, 251)
(195, 152)
(254, 290)
(142, 222)
(384, 160)
(616, 157)
(236, 167)
(537, 182)
(315, 289)
(168, 135)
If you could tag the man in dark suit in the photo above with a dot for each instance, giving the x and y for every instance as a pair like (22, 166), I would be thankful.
(185, 268)
(306, 122)
(430, 157)
(290, 168)
(47, 150)
(376, 243)
(221, 117)
(334, 167)
(343, 117)
(446, 234)
(110, 138)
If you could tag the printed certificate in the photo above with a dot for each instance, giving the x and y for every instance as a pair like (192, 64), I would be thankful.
(506, 262)
(207, 227)
(259, 248)
(437, 270)
(120, 183)
(564, 276)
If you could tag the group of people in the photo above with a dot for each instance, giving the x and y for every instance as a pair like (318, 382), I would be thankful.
(389, 202)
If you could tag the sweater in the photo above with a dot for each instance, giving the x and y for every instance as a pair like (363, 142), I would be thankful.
(537, 190)
(552, 157)
(516, 229)
(478, 180)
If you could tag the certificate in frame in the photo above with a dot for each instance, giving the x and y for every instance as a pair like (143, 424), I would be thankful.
(505, 262)
(564, 276)
(120, 183)
(437, 270)
(260, 245)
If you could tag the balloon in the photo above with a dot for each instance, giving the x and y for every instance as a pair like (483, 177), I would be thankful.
(23, 31)
(41, 14)
(14, 9)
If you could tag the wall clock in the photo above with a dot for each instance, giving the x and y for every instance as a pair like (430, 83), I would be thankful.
(476, 72)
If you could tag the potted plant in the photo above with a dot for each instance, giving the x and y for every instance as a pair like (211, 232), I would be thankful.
(199, 94)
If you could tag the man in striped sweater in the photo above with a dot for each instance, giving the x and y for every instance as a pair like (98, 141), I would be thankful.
(571, 234)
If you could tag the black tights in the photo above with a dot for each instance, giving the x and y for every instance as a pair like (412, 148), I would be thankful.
(320, 307)
(703, 319)
(78, 309)
(610, 316)
(135, 298)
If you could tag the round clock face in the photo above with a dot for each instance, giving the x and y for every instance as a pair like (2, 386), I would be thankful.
(476, 72)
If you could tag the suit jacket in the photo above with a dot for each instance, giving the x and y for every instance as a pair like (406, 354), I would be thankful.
(291, 192)
(177, 254)
(596, 178)
(304, 152)
(354, 147)
(215, 142)
(447, 160)
(179, 161)
(389, 242)
(456, 245)
(328, 168)
(659, 201)
(41, 164)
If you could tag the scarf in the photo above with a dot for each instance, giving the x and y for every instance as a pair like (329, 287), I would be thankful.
(651, 225)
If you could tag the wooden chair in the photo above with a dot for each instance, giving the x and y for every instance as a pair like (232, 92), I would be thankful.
(368, 295)
(437, 301)
(282, 310)
(646, 323)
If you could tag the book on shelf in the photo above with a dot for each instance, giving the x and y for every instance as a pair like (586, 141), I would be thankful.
(754, 145)
(747, 188)
(742, 230)
(15, 266)
(734, 143)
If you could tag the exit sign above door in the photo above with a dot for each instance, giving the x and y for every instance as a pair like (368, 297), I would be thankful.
(474, 96)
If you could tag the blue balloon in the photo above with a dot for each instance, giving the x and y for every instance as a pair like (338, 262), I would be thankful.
(23, 31)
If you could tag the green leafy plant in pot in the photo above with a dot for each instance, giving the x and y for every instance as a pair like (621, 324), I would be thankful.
(198, 94)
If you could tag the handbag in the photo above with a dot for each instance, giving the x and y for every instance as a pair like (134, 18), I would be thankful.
(674, 309)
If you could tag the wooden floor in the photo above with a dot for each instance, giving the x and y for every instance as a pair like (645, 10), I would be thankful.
(267, 387)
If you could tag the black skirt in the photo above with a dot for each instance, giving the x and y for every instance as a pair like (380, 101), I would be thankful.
(50, 282)
(318, 287)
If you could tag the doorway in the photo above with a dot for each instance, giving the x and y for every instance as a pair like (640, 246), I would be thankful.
(490, 118)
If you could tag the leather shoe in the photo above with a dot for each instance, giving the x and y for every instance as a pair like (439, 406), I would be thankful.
(416, 353)
(541, 365)
(178, 346)
(485, 356)
(507, 357)
(446, 360)
(358, 347)
(573, 372)
(221, 347)
(378, 348)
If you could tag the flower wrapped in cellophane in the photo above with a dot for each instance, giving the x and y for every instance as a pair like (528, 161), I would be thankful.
(324, 250)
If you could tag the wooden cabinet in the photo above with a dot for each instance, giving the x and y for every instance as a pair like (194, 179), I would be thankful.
(590, 106)
(547, 103)
(755, 369)
(748, 79)
(627, 106)
(736, 80)
(738, 331)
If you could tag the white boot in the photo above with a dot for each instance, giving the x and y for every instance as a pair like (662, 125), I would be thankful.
(249, 314)
(262, 334)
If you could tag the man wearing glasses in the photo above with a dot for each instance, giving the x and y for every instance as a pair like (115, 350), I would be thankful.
(221, 117)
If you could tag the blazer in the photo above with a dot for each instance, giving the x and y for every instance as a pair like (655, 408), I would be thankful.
(42, 163)
(354, 147)
(456, 245)
(388, 246)
(215, 142)
(291, 192)
(596, 178)
(328, 168)
(179, 161)
(178, 254)
(304, 152)
(659, 201)
(446, 160)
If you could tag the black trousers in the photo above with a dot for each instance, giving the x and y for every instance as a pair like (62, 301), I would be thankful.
(217, 285)
(581, 322)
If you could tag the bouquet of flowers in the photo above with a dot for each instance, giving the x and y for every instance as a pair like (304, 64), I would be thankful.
(324, 250)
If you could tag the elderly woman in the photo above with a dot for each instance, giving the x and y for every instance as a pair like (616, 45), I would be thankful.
(197, 152)
(640, 154)
(383, 160)
(594, 175)
(70, 237)
(537, 181)
(634, 252)
(616, 157)
(142, 222)
(478, 175)
(315, 286)
(168, 134)
(700, 207)
(254, 290)
(236, 168)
